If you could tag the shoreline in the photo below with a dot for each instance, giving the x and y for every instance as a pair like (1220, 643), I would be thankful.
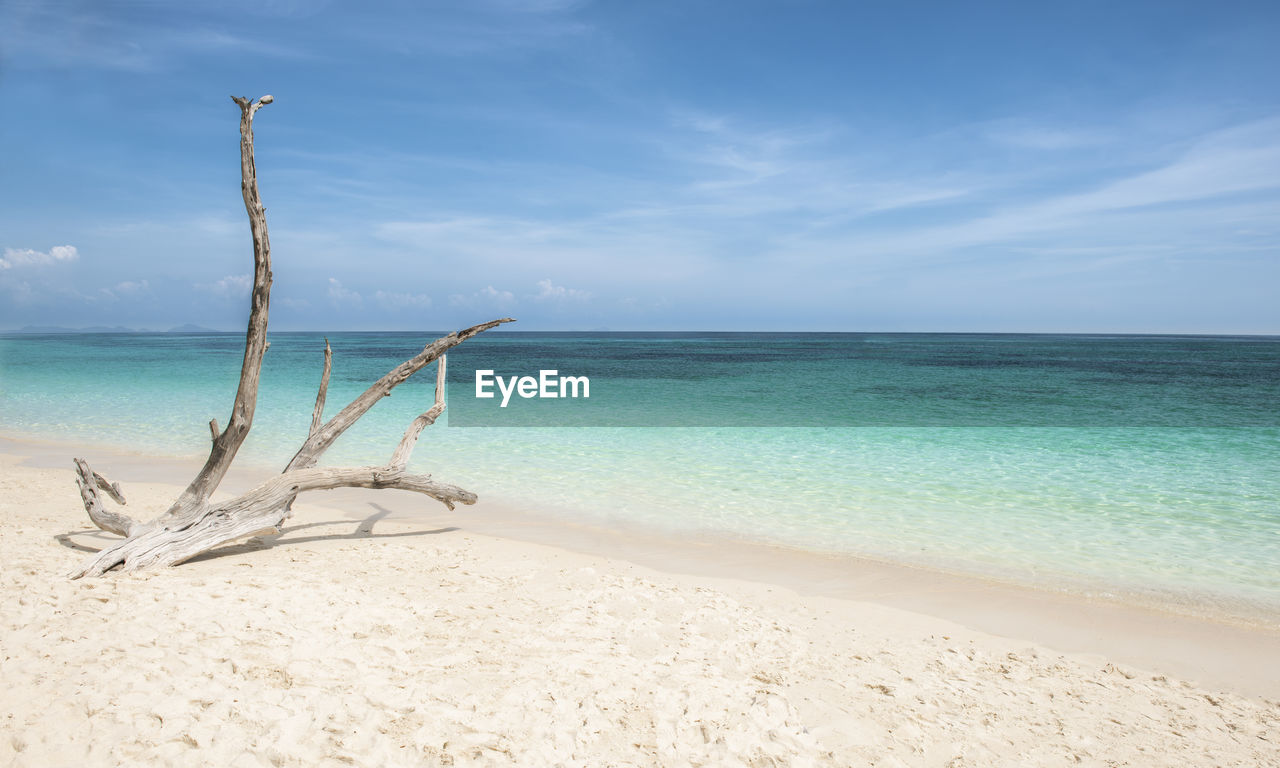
(359, 638)
(1223, 652)
(506, 517)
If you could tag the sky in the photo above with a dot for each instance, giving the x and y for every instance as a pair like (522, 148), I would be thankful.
(686, 165)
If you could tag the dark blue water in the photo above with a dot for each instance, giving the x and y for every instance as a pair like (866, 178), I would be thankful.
(871, 380)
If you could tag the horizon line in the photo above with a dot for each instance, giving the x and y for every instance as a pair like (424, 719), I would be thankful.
(179, 331)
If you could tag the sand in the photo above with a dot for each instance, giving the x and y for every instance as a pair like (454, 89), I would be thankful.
(376, 641)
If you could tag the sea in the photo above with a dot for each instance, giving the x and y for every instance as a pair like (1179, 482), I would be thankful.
(1143, 467)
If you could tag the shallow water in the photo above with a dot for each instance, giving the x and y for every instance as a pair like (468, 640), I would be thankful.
(1171, 491)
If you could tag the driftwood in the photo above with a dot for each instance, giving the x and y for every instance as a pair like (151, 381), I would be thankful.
(193, 524)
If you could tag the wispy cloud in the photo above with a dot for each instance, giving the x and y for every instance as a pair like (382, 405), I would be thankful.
(803, 169)
(485, 297)
(229, 287)
(569, 160)
(340, 295)
(548, 291)
(127, 290)
(1235, 161)
(111, 36)
(399, 302)
(17, 258)
(1021, 135)
(488, 27)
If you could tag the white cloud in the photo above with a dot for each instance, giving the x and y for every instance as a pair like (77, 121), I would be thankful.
(340, 295)
(494, 294)
(25, 257)
(128, 289)
(130, 286)
(401, 301)
(229, 287)
(548, 291)
(486, 297)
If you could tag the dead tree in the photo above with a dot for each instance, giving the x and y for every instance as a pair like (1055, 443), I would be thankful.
(194, 524)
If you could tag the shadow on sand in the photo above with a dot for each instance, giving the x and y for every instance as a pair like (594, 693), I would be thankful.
(91, 541)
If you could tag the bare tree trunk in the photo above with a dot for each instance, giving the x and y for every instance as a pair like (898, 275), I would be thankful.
(193, 524)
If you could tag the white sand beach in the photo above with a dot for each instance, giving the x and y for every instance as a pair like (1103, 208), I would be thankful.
(361, 638)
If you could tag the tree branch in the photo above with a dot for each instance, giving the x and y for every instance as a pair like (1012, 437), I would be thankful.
(226, 444)
(91, 483)
(193, 524)
(261, 510)
(318, 411)
(400, 457)
(319, 442)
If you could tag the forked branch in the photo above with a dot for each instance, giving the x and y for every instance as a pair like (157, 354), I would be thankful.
(400, 458)
(320, 440)
(91, 483)
(193, 524)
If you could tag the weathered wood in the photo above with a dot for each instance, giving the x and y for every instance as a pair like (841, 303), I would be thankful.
(256, 512)
(193, 524)
(228, 442)
(90, 484)
(318, 411)
(400, 458)
(111, 489)
(319, 442)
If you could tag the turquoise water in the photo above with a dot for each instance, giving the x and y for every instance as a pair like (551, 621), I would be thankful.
(869, 380)
(1178, 508)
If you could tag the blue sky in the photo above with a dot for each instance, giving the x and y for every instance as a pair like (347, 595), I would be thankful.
(744, 165)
